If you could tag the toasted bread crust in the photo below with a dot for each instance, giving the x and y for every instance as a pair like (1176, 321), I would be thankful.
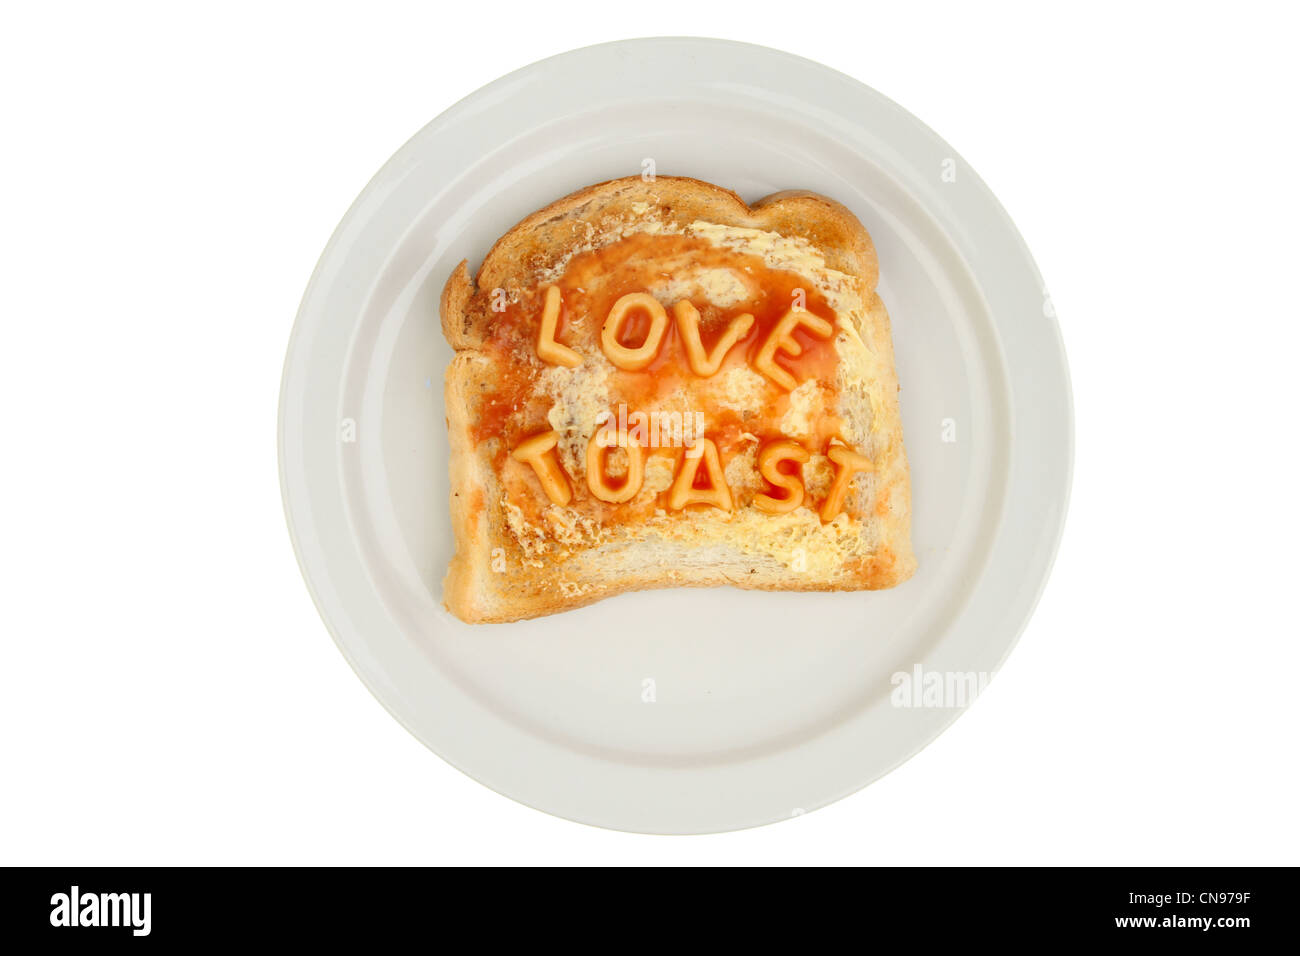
(487, 580)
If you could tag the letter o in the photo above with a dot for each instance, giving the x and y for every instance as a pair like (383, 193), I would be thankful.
(598, 481)
(633, 359)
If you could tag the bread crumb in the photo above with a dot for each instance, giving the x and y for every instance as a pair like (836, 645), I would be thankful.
(805, 407)
(740, 389)
(741, 473)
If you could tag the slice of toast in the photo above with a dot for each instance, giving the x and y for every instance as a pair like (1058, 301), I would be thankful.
(656, 385)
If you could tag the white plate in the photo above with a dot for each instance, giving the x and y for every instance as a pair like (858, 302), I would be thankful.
(764, 705)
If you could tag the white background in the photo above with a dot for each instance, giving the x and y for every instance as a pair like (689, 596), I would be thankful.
(167, 181)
